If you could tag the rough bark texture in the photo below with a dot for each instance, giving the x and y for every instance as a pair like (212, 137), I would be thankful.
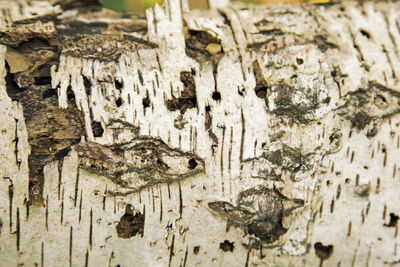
(235, 136)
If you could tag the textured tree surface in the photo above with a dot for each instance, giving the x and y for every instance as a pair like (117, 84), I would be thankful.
(234, 136)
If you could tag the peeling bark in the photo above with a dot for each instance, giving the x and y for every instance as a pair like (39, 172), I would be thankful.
(239, 135)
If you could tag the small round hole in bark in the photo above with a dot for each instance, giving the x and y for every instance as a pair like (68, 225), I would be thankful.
(146, 102)
(119, 84)
(196, 250)
(261, 92)
(97, 129)
(208, 108)
(226, 246)
(192, 164)
(118, 102)
(216, 96)
(299, 61)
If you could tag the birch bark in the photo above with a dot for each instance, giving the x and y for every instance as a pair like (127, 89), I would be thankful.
(235, 136)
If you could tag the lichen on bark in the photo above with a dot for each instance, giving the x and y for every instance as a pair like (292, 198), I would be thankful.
(239, 135)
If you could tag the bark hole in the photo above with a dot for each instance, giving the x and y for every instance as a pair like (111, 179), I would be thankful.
(323, 252)
(227, 246)
(216, 96)
(118, 102)
(299, 61)
(97, 129)
(192, 164)
(131, 223)
(261, 85)
(119, 84)
(146, 102)
(393, 220)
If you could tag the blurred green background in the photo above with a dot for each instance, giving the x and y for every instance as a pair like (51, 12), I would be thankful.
(141, 5)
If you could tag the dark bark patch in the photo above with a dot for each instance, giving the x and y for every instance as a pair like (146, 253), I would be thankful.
(271, 32)
(393, 220)
(119, 84)
(43, 80)
(88, 85)
(367, 105)
(323, 252)
(290, 159)
(146, 102)
(51, 130)
(283, 96)
(360, 120)
(196, 47)
(97, 129)
(265, 231)
(131, 223)
(187, 100)
(49, 93)
(65, 5)
(261, 84)
(78, 27)
(260, 211)
(13, 90)
(62, 153)
(150, 160)
(226, 246)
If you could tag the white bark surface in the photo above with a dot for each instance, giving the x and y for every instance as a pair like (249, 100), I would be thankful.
(337, 139)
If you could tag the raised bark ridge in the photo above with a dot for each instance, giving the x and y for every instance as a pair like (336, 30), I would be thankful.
(269, 132)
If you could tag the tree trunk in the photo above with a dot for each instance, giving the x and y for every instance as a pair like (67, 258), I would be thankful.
(235, 136)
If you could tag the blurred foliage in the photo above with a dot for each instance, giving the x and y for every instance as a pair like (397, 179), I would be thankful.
(130, 5)
(141, 5)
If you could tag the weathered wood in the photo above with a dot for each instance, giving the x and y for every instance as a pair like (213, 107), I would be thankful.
(239, 135)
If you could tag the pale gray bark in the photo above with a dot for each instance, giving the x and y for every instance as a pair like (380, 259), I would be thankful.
(235, 136)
